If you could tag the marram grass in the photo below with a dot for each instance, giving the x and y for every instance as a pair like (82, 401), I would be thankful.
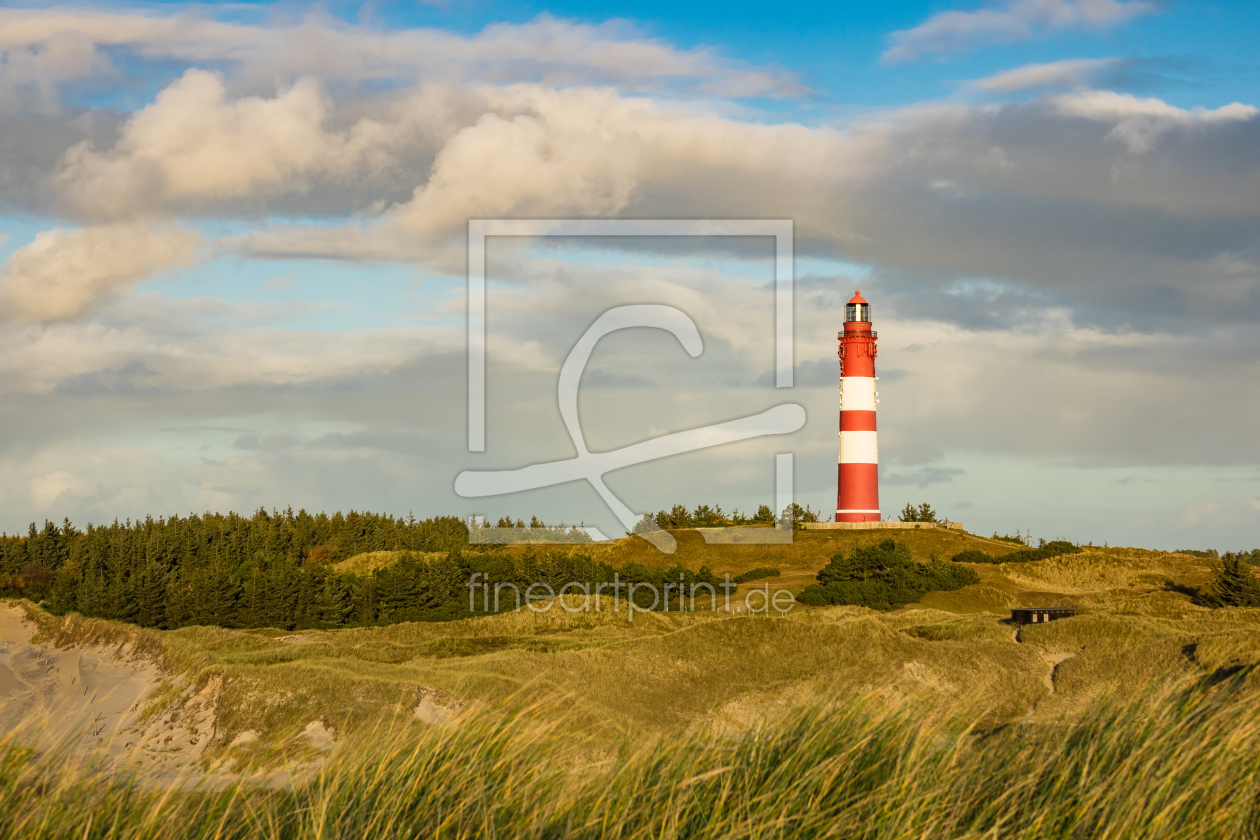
(1179, 761)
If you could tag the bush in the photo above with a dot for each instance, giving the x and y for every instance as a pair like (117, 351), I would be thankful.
(1209, 554)
(1027, 555)
(973, 555)
(883, 577)
(1234, 585)
(756, 574)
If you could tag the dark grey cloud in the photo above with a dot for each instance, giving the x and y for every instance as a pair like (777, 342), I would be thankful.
(922, 477)
(135, 378)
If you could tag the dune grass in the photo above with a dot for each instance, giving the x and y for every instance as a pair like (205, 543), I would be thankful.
(1177, 762)
(797, 561)
(1135, 718)
(664, 672)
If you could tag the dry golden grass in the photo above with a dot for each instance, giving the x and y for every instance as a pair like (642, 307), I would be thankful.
(670, 673)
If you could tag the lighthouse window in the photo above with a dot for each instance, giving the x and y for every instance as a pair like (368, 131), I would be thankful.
(857, 312)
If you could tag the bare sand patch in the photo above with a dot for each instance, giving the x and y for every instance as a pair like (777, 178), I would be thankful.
(319, 736)
(436, 708)
(9, 683)
(87, 702)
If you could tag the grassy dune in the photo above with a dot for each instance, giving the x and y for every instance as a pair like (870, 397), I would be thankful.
(1180, 761)
(1134, 718)
(797, 561)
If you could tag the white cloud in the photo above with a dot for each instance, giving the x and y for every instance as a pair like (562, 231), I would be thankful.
(1139, 122)
(1069, 73)
(187, 348)
(546, 49)
(63, 272)
(1199, 512)
(1017, 20)
(193, 144)
(51, 487)
(543, 154)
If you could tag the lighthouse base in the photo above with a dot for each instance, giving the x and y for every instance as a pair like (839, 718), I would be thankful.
(857, 495)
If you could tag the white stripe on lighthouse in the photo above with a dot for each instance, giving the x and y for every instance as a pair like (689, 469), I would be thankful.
(858, 448)
(857, 393)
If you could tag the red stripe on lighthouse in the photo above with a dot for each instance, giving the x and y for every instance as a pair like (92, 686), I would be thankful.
(857, 421)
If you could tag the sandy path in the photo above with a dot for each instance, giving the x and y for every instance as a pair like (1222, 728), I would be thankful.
(1054, 660)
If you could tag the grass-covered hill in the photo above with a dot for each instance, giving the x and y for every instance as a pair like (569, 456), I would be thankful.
(797, 562)
(940, 719)
(297, 570)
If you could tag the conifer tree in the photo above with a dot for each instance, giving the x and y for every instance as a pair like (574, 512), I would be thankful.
(1234, 584)
(150, 594)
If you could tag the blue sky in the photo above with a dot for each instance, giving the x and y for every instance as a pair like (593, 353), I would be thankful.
(234, 253)
(1186, 53)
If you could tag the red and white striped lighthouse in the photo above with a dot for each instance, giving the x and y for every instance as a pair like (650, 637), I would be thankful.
(857, 493)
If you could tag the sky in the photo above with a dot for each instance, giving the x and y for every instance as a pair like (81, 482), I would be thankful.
(233, 255)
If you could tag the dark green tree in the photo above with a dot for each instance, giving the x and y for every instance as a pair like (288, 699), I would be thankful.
(65, 589)
(795, 513)
(1234, 585)
(866, 562)
(150, 594)
(923, 513)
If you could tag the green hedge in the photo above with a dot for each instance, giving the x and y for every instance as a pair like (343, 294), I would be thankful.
(1027, 555)
(883, 577)
(756, 574)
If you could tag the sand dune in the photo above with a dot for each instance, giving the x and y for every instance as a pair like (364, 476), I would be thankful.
(86, 702)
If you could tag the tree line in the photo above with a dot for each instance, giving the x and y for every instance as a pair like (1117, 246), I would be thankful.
(269, 569)
(277, 570)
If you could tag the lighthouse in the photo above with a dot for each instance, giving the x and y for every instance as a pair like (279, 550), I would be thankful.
(857, 490)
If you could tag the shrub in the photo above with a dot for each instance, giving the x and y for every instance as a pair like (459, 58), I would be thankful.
(883, 577)
(756, 574)
(1027, 555)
